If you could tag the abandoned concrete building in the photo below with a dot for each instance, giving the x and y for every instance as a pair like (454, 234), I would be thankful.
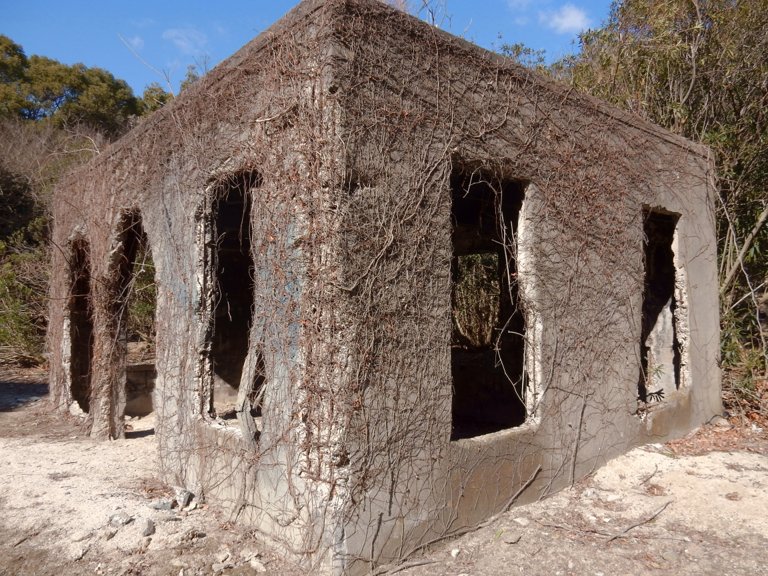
(402, 283)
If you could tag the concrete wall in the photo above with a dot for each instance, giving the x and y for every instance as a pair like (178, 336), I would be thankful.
(589, 174)
(357, 119)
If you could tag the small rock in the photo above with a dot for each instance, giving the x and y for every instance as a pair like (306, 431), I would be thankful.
(147, 527)
(75, 410)
(120, 519)
(721, 422)
(109, 532)
(222, 556)
(455, 553)
(78, 553)
(183, 497)
(221, 566)
(192, 506)
(257, 565)
(521, 521)
(80, 536)
(248, 552)
(612, 498)
(161, 504)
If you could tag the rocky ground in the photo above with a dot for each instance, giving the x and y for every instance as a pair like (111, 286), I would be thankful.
(69, 505)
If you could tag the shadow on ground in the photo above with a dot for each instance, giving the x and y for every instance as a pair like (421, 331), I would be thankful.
(17, 392)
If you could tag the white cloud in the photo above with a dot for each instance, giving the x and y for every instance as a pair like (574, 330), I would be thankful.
(135, 42)
(568, 19)
(187, 40)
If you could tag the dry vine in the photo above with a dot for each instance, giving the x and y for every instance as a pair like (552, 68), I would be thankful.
(355, 155)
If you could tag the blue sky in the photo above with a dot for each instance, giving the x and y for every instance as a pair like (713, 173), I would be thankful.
(155, 40)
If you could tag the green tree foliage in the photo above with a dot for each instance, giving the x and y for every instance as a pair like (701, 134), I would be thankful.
(190, 77)
(528, 57)
(52, 117)
(154, 98)
(13, 63)
(38, 88)
(700, 68)
(73, 95)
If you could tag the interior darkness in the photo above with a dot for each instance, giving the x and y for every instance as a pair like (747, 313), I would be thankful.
(81, 325)
(487, 373)
(234, 272)
(659, 288)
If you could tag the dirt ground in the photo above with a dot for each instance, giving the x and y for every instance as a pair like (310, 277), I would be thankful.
(69, 505)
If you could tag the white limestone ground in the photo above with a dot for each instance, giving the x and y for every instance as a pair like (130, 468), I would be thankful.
(64, 500)
(647, 512)
(72, 505)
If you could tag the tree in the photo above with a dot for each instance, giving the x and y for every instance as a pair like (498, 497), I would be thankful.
(528, 57)
(52, 117)
(700, 68)
(190, 77)
(33, 156)
(77, 94)
(40, 88)
(13, 63)
(154, 98)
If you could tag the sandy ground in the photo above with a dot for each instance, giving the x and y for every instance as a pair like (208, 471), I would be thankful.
(69, 505)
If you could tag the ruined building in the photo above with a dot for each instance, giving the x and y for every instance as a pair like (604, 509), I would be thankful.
(402, 284)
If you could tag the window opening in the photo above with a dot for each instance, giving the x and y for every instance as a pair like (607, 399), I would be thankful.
(81, 325)
(488, 324)
(136, 302)
(660, 348)
(233, 290)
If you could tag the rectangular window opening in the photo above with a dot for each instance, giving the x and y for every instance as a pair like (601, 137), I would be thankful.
(81, 325)
(488, 323)
(233, 297)
(135, 304)
(660, 347)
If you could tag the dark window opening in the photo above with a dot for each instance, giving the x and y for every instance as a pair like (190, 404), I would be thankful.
(488, 325)
(660, 349)
(135, 308)
(81, 325)
(233, 284)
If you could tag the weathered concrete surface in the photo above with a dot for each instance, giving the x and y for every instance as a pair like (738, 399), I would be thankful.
(360, 125)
